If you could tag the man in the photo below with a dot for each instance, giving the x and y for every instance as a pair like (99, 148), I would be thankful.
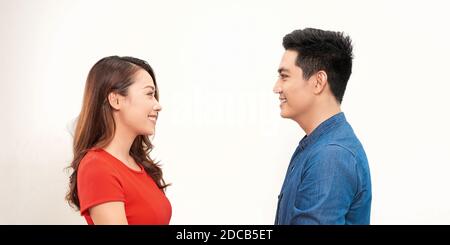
(328, 178)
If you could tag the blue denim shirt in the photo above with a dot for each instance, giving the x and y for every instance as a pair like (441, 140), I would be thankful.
(328, 179)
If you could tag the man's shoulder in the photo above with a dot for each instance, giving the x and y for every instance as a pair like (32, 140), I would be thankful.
(338, 152)
(342, 139)
(331, 149)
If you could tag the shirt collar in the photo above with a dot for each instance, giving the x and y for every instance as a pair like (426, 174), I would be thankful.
(324, 127)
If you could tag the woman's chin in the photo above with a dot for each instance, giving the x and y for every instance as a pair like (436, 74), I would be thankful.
(147, 132)
(150, 132)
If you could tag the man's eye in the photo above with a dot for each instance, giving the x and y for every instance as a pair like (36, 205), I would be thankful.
(283, 76)
(150, 94)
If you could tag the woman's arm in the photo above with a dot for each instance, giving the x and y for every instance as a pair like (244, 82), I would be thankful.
(109, 213)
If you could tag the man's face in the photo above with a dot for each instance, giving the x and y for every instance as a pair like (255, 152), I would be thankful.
(295, 93)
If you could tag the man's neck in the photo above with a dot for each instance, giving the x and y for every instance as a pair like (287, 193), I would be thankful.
(314, 118)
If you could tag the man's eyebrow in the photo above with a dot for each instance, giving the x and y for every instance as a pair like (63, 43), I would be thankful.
(280, 70)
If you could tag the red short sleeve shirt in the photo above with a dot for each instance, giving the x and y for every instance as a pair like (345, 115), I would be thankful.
(103, 178)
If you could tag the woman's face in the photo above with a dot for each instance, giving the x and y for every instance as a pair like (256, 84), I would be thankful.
(139, 109)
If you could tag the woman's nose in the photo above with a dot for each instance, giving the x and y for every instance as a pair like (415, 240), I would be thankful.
(157, 106)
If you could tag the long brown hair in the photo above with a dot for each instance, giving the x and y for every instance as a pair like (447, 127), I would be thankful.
(95, 126)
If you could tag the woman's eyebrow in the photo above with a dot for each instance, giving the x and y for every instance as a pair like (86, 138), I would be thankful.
(149, 86)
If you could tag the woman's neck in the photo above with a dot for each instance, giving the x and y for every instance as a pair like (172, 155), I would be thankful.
(120, 145)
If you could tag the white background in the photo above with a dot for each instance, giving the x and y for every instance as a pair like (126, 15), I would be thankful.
(220, 138)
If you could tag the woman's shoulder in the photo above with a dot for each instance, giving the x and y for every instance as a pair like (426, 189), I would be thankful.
(95, 161)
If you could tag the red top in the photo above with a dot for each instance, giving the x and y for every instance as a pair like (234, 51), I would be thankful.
(103, 178)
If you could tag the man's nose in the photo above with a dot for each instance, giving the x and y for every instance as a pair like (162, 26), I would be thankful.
(276, 88)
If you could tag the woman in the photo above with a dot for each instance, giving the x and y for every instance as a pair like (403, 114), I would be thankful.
(114, 181)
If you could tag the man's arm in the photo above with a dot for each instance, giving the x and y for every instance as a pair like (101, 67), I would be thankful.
(327, 188)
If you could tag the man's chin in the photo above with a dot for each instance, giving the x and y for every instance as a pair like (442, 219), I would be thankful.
(284, 115)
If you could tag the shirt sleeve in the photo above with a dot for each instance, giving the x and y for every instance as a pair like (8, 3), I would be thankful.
(97, 183)
(327, 187)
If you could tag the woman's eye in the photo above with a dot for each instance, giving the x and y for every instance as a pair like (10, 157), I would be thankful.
(150, 94)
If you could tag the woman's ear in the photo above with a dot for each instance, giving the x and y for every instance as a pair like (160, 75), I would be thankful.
(114, 100)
